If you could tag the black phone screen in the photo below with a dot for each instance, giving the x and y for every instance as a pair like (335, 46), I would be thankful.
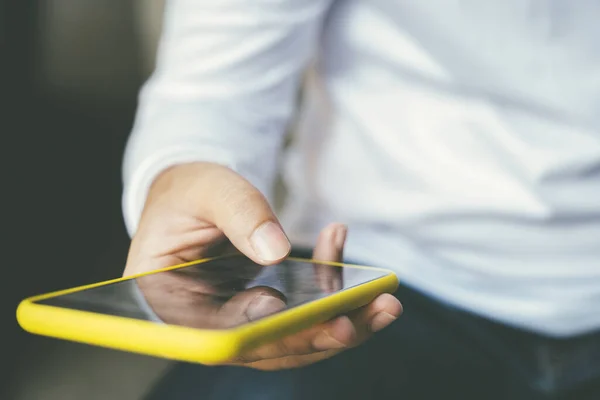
(218, 294)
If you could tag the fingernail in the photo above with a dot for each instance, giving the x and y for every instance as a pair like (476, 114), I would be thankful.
(381, 320)
(324, 341)
(264, 305)
(269, 242)
(339, 238)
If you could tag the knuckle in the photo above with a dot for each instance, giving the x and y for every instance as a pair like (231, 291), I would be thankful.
(241, 201)
(360, 339)
(283, 348)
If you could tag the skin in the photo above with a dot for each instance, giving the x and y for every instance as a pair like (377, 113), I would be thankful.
(197, 210)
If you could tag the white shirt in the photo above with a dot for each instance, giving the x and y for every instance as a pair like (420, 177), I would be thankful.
(459, 140)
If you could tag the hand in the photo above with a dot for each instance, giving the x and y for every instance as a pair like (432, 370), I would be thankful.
(192, 209)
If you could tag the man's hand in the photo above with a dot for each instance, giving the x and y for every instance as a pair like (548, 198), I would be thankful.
(193, 209)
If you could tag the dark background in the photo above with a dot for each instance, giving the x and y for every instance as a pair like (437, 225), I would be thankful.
(64, 130)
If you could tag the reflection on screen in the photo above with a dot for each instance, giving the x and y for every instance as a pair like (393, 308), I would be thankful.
(216, 295)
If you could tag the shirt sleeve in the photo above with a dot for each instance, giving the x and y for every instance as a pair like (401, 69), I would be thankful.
(223, 90)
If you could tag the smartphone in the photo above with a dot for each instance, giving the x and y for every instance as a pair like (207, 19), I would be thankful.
(208, 311)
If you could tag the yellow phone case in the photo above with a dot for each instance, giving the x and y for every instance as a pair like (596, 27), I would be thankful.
(181, 343)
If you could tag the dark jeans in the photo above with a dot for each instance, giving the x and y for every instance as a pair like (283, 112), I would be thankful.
(433, 351)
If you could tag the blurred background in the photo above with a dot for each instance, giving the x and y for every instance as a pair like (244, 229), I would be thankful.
(71, 71)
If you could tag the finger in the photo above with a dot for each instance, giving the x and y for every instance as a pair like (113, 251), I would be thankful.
(294, 361)
(244, 215)
(327, 339)
(330, 247)
(336, 334)
(215, 246)
(375, 316)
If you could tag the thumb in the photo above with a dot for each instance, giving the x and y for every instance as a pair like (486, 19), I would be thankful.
(244, 215)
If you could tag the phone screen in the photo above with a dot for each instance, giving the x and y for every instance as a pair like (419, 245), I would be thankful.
(219, 294)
